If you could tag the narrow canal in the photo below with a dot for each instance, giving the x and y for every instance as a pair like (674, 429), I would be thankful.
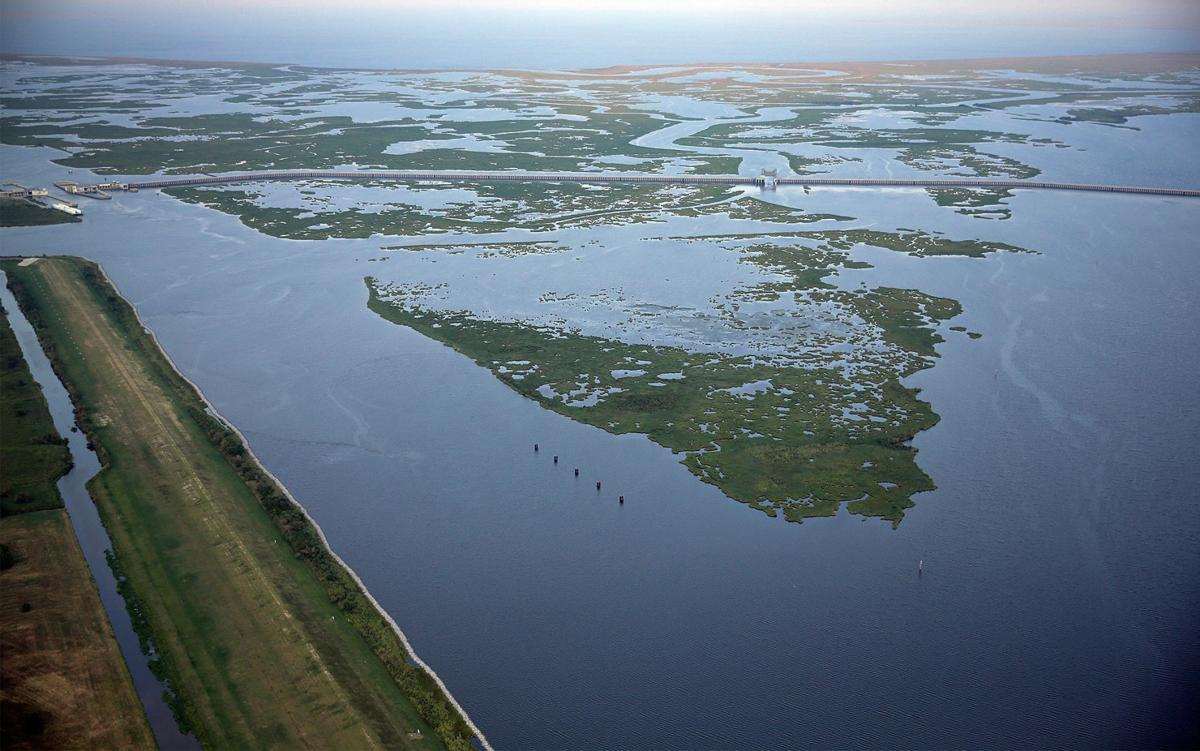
(90, 532)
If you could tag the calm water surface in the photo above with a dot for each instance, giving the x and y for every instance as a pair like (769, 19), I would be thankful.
(1060, 601)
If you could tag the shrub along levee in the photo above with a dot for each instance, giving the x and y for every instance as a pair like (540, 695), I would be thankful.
(193, 517)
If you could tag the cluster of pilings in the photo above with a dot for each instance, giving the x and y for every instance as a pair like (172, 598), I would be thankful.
(537, 449)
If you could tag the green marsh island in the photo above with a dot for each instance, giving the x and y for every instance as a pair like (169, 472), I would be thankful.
(797, 430)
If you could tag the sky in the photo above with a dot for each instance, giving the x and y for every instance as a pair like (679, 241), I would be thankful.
(555, 33)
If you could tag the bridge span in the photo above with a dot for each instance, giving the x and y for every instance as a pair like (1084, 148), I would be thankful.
(766, 181)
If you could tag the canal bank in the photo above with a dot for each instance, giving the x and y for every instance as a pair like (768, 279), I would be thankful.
(267, 640)
(90, 533)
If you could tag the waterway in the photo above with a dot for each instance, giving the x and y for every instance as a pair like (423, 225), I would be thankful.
(1059, 604)
(89, 530)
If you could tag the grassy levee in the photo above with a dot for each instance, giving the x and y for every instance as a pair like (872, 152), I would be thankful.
(63, 682)
(267, 641)
(32, 453)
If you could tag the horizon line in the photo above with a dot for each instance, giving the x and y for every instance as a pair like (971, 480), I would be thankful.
(82, 59)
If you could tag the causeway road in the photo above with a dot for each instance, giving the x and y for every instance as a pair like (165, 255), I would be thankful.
(763, 181)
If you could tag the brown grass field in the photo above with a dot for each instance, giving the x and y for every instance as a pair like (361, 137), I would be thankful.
(63, 683)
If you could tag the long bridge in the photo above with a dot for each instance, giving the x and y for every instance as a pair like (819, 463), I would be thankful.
(767, 181)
